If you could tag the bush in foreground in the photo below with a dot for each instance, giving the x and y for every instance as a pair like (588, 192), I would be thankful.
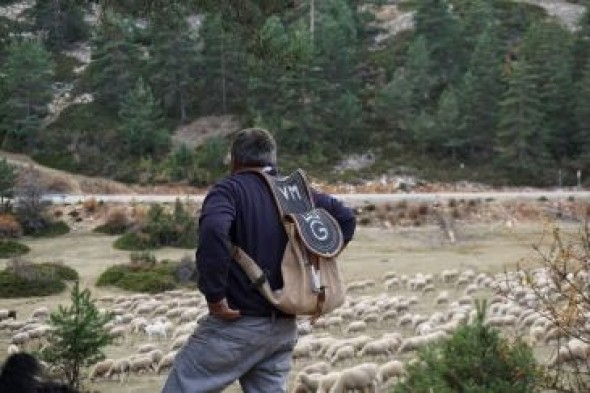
(474, 360)
(24, 279)
(11, 249)
(78, 336)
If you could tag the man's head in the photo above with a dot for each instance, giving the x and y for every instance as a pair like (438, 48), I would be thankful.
(253, 147)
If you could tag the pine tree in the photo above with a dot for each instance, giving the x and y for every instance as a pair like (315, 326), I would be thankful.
(449, 122)
(474, 359)
(24, 93)
(174, 59)
(117, 60)
(546, 48)
(444, 40)
(60, 21)
(582, 116)
(225, 75)
(408, 93)
(78, 336)
(141, 129)
(581, 47)
(480, 91)
(522, 136)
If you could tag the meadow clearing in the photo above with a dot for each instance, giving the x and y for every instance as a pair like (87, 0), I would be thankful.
(489, 248)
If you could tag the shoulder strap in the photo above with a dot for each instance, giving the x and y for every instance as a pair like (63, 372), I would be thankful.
(291, 194)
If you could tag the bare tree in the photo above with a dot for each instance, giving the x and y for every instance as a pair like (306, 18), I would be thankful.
(30, 206)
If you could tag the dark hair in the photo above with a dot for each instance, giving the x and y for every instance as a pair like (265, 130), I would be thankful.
(254, 147)
(21, 373)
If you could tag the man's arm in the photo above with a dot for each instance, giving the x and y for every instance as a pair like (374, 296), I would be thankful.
(344, 215)
(214, 249)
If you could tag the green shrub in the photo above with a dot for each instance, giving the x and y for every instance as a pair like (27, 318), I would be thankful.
(134, 241)
(112, 275)
(25, 279)
(176, 229)
(475, 359)
(51, 229)
(11, 249)
(147, 281)
(62, 271)
(150, 279)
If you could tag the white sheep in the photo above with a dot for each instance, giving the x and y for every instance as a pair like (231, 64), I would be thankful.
(141, 363)
(442, 298)
(417, 342)
(120, 367)
(179, 342)
(328, 381)
(575, 349)
(12, 349)
(101, 369)
(363, 377)
(181, 330)
(307, 383)
(344, 353)
(391, 369)
(156, 329)
(316, 368)
(40, 313)
(355, 327)
(166, 362)
(380, 347)
(145, 348)
(21, 338)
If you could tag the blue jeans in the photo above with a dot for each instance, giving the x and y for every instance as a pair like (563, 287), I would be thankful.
(254, 350)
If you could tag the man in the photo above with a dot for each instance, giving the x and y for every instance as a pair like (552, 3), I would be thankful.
(244, 337)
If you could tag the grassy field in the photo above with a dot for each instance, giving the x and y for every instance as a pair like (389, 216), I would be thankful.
(488, 248)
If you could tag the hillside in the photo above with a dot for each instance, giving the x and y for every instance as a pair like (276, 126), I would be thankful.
(420, 87)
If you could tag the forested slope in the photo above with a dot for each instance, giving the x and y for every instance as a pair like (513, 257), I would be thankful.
(495, 91)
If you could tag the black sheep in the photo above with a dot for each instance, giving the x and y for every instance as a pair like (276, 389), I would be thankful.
(21, 373)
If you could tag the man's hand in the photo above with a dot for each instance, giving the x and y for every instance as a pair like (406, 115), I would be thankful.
(222, 310)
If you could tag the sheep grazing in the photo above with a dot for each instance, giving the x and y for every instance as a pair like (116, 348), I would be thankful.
(307, 383)
(363, 377)
(101, 369)
(328, 381)
(316, 368)
(141, 363)
(575, 349)
(145, 348)
(166, 362)
(120, 367)
(343, 353)
(40, 313)
(356, 327)
(7, 314)
(391, 369)
(376, 348)
(179, 342)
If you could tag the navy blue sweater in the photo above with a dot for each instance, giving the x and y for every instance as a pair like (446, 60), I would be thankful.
(240, 210)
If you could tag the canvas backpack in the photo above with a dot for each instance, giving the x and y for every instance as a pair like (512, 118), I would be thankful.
(312, 281)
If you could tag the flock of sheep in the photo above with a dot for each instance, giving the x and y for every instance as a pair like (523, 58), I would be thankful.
(365, 345)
